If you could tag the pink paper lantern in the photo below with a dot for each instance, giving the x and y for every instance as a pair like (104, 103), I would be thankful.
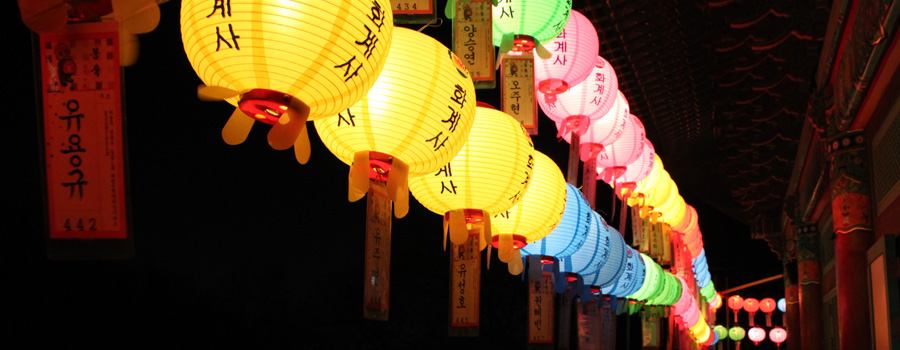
(585, 102)
(603, 131)
(625, 150)
(573, 54)
(635, 171)
(756, 334)
(684, 302)
(778, 335)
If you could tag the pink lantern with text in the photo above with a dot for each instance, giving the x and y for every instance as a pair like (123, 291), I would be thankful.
(587, 103)
(756, 334)
(619, 154)
(751, 305)
(778, 335)
(767, 305)
(573, 54)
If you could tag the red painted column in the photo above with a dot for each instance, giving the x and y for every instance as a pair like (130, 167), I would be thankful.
(792, 306)
(809, 276)
(852, 219)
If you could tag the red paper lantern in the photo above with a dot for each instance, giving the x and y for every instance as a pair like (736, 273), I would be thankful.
(767, 305)
(756, 334)
(751, 305)
(735, 302)
(778, 335)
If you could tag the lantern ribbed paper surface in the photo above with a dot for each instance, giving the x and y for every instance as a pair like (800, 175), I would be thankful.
(541, 19)
(777, 335)
(542, 206)
(651, 279)
(571, 232)
(423, 127)
(491, 172)
(574, 53)
(736, 333)
(324, 53)
(782, 305)
(593, 98)
(625, 149)
(652, 180)
(613, 269)
(632, 274)
(721, 331)
(595, 251)
(636, 170)
(688, 222)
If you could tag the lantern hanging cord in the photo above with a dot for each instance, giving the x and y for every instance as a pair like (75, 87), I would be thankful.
(439, 21)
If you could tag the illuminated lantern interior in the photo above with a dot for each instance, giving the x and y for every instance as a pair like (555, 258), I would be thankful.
(285, 62)
(591, 101)
(736, 334)
(573, 54)
(756, 334)
(735, 303)
(751, 305)
(767, 305)
(777, 335)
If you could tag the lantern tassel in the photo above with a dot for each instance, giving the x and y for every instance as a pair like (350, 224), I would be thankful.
(215, 93)
(516, 266)
(398, 188)
(285, 132)
(358, 179)
(752, 314)
(505, 249)
(237, 128)
(541, 50)
(301, 146)
(769, 320)
(458, 231)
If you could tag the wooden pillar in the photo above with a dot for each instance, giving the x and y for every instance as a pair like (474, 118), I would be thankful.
(852, 218)
(809, 276)
(792, 306)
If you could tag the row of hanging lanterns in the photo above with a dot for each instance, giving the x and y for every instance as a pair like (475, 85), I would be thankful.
(475, 166)
(756, 334)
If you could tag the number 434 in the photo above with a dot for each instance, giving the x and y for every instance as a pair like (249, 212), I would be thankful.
(405, 6)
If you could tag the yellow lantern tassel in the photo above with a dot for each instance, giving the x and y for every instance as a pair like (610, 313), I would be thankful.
(505, 249)
(398, 187)
(515, 266)
(237, 128)
(301, 146)
(289, 125)
(358, 180)
(455, 225)
(486, 236)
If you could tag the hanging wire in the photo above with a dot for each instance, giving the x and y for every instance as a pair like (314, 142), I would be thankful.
(439, 21)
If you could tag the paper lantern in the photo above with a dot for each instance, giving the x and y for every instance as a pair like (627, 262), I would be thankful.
(400, 124)
(682, 304)
(633, 172)
(756, 334)
(573, 54)
(595, 252)
(767, 305)
(688, 221)
(527, 24)
(782, 305)
(538, 212)
(571, 232)
(609, 273)
(489, 175)
(620, 153)
(751, 305)
(716, 303)
(736, 333)
(651, 279)
(285, 62)
(721, 331)
(589, 102)
(777, 335)
(632, 274)
(735, 303)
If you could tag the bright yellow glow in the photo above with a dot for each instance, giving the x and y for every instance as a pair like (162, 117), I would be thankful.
(420, 109)
(304, 48)
(491, 172)
(542, 206)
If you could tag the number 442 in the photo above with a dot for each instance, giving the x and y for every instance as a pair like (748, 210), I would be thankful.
(80, 225)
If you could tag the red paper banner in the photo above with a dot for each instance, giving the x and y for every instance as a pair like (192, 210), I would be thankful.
(82, 129)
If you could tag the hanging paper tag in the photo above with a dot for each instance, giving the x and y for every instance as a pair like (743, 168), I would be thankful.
(473, 41)
(413, 11)
(649, 330)
(588, 325)
(574, 160)
(608, 325)
(83, 143)
(646, 228)
(666, 257)
(540, 315)
(637, 230)
(589, 184)
(565, 318)
(465, 279)
(656, 246)
(517, 81)
(377, 279)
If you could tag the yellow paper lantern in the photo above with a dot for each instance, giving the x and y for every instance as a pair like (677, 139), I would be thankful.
(400, 122)
(490, 174)
(536, 214)
(283, 62)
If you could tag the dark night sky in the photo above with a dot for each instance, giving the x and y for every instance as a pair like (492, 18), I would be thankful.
(242, 245)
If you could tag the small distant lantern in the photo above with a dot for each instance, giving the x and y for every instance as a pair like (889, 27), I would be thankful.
(751, 305)
(767, 305)
(721, 331)
(756, 334)
(735, 303)
(736, 334)
(285, 62)
(778, 335)
(782, 305)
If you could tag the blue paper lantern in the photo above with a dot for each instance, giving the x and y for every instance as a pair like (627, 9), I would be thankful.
(782, 305)
(571, 232)
(632, 275)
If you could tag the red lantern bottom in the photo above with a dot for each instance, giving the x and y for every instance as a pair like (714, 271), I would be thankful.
(264, 105)
(553, 86)
(518, 241)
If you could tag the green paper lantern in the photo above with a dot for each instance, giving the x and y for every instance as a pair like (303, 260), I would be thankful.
(721, 331)
(736, 333)
(542, 20)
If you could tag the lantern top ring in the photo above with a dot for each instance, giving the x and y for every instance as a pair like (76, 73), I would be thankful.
(519, 241)
(264, 105)
(523, 43)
